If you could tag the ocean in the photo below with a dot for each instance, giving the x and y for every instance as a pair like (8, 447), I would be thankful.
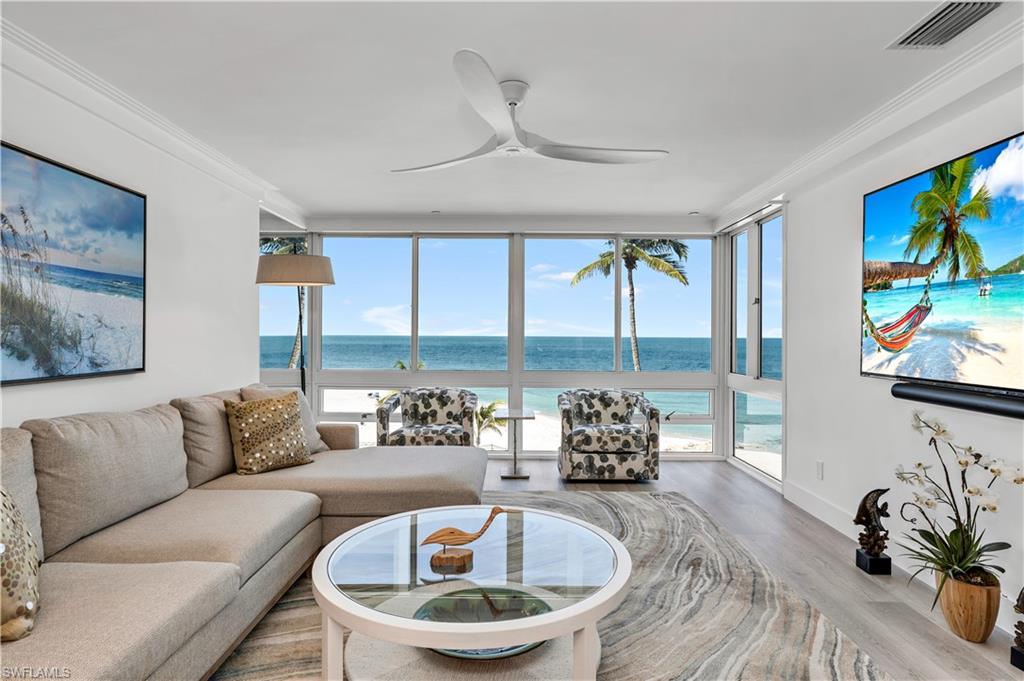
(97, 282)
(551, 353)
(490, 353)
(954, 302)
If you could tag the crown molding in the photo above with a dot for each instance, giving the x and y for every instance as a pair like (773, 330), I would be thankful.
(32, 59)
(988, 61)
(508, 224)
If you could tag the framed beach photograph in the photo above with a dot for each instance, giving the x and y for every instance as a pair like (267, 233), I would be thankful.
(73, 288)
(943, 275)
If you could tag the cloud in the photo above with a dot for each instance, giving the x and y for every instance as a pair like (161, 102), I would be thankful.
(1005, 175)
(472, 331)
(869, 237)
(549, 327)
(120, 213)
(543, 267)
(558, 276)
(391, 318)
(899, 241)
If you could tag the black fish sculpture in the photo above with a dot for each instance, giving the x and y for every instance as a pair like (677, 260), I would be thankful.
(869, 515)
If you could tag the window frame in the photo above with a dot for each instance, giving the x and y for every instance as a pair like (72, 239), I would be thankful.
(515, 378)
(752, 382)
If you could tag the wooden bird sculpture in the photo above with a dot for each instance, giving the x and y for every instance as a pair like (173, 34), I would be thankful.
(451, 536)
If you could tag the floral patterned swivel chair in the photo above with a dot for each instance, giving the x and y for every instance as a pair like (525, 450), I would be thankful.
(600, 440)
(430, 416)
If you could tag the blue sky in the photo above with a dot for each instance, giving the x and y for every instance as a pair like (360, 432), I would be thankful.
(889, 213)
(90, 225)
(463, 290)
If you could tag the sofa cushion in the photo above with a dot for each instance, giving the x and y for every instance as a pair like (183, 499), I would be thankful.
(206, 435)
(120, 622)
(267, 434)
(96, 469)
(617, 437)
(17, 471)
(433, 435)
(244, 528)
(378, 481)
(262, 392)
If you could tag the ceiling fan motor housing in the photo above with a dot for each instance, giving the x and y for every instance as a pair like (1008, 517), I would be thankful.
(514, 91)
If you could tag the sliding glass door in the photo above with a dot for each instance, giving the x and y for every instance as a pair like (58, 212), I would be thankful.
(755, 382)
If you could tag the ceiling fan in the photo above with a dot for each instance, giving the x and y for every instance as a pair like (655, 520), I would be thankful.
(497, 104)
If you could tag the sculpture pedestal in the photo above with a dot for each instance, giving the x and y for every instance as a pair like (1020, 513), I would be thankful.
(874, 565)
(452, 561)
(1017, 657)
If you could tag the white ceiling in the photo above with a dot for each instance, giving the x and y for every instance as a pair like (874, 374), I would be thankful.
(321, 99)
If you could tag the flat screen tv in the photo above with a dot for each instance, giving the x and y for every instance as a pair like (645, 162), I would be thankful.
(943, 275)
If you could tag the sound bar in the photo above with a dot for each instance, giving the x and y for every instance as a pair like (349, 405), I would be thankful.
(1000, 405)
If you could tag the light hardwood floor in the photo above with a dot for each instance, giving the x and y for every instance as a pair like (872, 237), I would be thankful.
(891, 621)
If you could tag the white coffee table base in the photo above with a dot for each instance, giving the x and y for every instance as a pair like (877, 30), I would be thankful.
(575, 657)
(367, 659)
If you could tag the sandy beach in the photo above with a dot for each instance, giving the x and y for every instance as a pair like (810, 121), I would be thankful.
(989, 355)
(111, 334)
(544, 434)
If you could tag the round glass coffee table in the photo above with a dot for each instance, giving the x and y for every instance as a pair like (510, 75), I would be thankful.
(534, 576)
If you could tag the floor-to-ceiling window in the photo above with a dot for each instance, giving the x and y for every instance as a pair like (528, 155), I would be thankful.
(756, 380)
(366, 317)
(569, 319)
(517, 319)
(463, 303)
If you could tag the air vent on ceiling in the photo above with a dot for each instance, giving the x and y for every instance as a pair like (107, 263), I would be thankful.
(947, 22)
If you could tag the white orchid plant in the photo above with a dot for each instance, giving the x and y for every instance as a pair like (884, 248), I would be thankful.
(959, 552)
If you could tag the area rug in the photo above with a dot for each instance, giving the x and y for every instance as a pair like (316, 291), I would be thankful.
(700, 605)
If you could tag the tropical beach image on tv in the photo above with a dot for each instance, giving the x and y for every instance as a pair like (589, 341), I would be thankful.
(73, 281)
(943, 277)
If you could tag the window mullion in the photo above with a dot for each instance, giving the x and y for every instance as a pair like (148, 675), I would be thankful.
(314, 326)
(516, 319)
(617, 344)
(414, 316)
(754, 301)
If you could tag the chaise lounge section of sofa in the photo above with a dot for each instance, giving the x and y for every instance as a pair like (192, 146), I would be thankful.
(157, 558)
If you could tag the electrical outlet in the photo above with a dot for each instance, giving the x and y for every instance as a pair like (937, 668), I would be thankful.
(820, 466)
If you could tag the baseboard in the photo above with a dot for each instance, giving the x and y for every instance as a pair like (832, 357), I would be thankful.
(824, 510)
(841, 520)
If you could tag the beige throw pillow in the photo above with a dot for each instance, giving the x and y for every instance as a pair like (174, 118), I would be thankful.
(267, 434)
(261, 392)
(19, 573)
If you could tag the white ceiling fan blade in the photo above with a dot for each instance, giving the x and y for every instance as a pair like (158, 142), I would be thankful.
(485, 150)
(484, 93)
(568, 152)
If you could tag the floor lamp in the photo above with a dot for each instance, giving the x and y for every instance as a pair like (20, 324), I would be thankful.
(295, 270)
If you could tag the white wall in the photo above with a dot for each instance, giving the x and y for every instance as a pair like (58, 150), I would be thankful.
(849, 422)
(201, 302)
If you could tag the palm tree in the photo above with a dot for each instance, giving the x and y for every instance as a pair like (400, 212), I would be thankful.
(278, 245)
(941, 212)
(485, 419)
(661, 255)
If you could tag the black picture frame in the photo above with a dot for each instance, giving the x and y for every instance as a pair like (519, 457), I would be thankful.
(6, 383)
(948, 385)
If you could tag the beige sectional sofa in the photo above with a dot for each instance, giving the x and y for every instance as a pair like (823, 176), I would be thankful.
(158, 558)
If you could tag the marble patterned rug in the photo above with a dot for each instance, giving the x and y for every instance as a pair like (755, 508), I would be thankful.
(700, 605)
